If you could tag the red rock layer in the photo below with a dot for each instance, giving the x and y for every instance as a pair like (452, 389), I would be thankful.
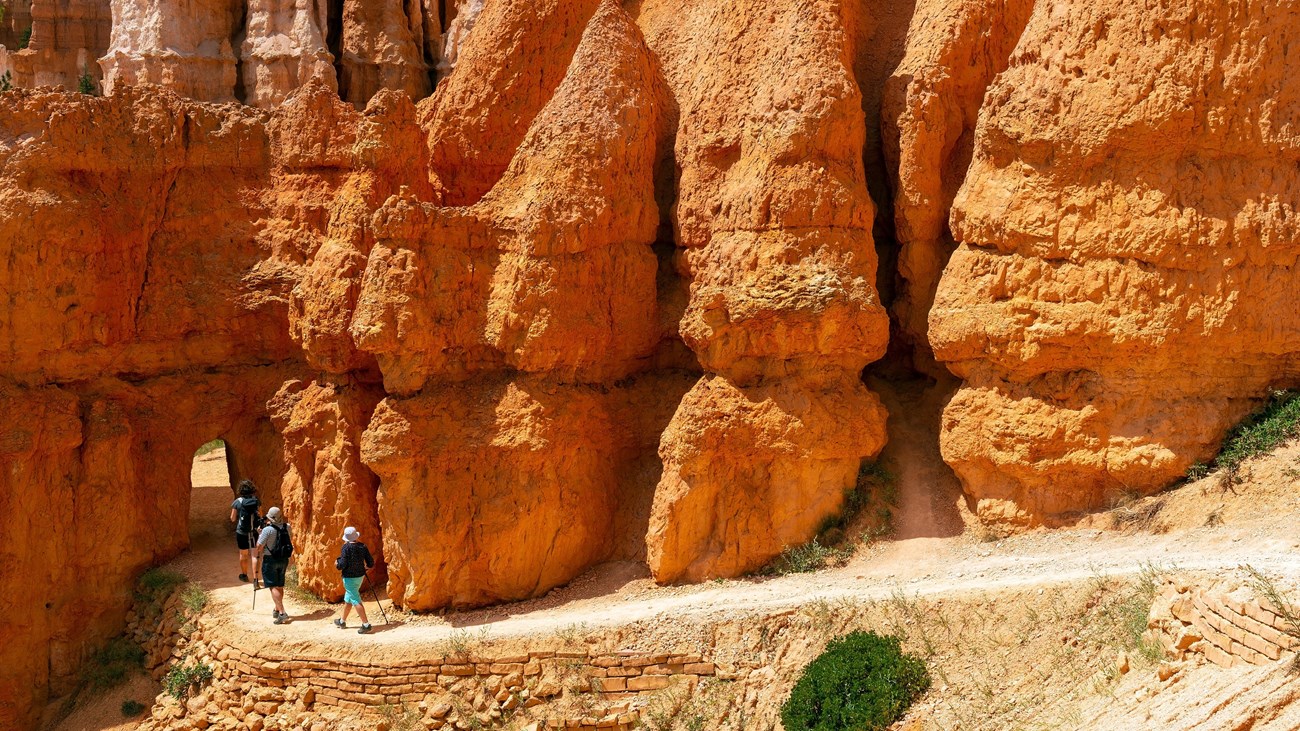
(550, 274)
(774, 224)
(148, 247)
(1123, 289)
(383, 47)
(929, 110)
(326, 487)
(478, 118)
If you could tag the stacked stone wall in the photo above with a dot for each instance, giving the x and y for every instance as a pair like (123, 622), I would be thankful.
(1228, 627)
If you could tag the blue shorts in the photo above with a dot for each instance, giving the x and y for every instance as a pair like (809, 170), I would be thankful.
(273, 571)
(352, 589)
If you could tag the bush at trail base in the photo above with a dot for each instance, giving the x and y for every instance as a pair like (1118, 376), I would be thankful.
(862, 682)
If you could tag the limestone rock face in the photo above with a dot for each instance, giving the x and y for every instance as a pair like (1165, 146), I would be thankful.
(549, 274)
(65, 37)
(1123, 288)
(493, 490)
(751, 471)
(774, 223)
(284, 47)
(929, 111)
(189, 52)
(477, 118)
(383, 48)
(562, 241)
(461, 17)
(387, 156)
(609, 292)
(17, 19)
(149, 248)
(326, 487)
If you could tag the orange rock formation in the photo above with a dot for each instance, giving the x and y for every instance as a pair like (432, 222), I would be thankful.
(1123, 288)
(609, 290)
(773, 221)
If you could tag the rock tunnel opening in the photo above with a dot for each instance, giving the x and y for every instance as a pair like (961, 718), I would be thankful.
(211, 490)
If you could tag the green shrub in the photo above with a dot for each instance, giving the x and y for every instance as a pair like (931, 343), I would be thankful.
(211, 446)
(1263, 431)
(6, 82)
(159, 582)
(181, 678)
(194, 597)
(862, 682)
(25, 38)
(811, 556)
(132, 708)
(86, 85)
(113, 663)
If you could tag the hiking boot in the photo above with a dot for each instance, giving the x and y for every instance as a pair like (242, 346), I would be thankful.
(365, 629)
(243, 578)
(281, 618)
(339, 623)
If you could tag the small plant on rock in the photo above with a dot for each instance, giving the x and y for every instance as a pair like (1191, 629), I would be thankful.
(25, 38)
(181, 678)
(195, 598)
(6, 82)
(113, 663)
(86, 85)
(1280, 605)
(862, 682)
(132, 707)
(1260, 433)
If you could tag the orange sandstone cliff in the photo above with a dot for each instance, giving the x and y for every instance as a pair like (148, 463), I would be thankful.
(519, 287)
(1123, 288)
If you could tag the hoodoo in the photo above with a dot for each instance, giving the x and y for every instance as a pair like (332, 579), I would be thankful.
(520, 287)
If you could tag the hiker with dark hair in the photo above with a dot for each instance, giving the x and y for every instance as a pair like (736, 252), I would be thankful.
(243, 513)
(354, 561)
(274, 547)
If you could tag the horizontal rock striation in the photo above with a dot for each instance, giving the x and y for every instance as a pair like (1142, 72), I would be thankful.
(609, 290)
(148, 246)
(1122, 292)
(773, 224)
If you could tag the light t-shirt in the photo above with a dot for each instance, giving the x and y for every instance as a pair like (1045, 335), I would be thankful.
(268, 538)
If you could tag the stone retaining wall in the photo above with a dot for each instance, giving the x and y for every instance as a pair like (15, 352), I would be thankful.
(267, 689)
(510, 681)
(1229, 627)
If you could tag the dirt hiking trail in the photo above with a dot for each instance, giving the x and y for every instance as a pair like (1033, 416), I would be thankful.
(931, 555)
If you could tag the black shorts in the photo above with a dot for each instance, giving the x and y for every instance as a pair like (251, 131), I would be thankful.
(273, 571)
(241, 540)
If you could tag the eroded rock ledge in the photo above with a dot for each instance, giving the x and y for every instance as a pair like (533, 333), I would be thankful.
(516, 330)
(609, 289)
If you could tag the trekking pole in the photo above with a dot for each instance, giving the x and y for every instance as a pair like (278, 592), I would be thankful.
(375, 595)
(252, 562)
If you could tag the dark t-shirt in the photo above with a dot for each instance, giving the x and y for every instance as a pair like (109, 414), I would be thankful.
(246, 513)
(356, 559)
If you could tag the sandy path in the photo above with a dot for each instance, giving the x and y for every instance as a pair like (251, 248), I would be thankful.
(620, 594)
(209, 470)
(932, 556)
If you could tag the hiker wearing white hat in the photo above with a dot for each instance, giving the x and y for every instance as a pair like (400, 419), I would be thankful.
(354, 561)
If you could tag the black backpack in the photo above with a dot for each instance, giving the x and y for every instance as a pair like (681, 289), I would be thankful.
(283, 544)
(248, 518)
